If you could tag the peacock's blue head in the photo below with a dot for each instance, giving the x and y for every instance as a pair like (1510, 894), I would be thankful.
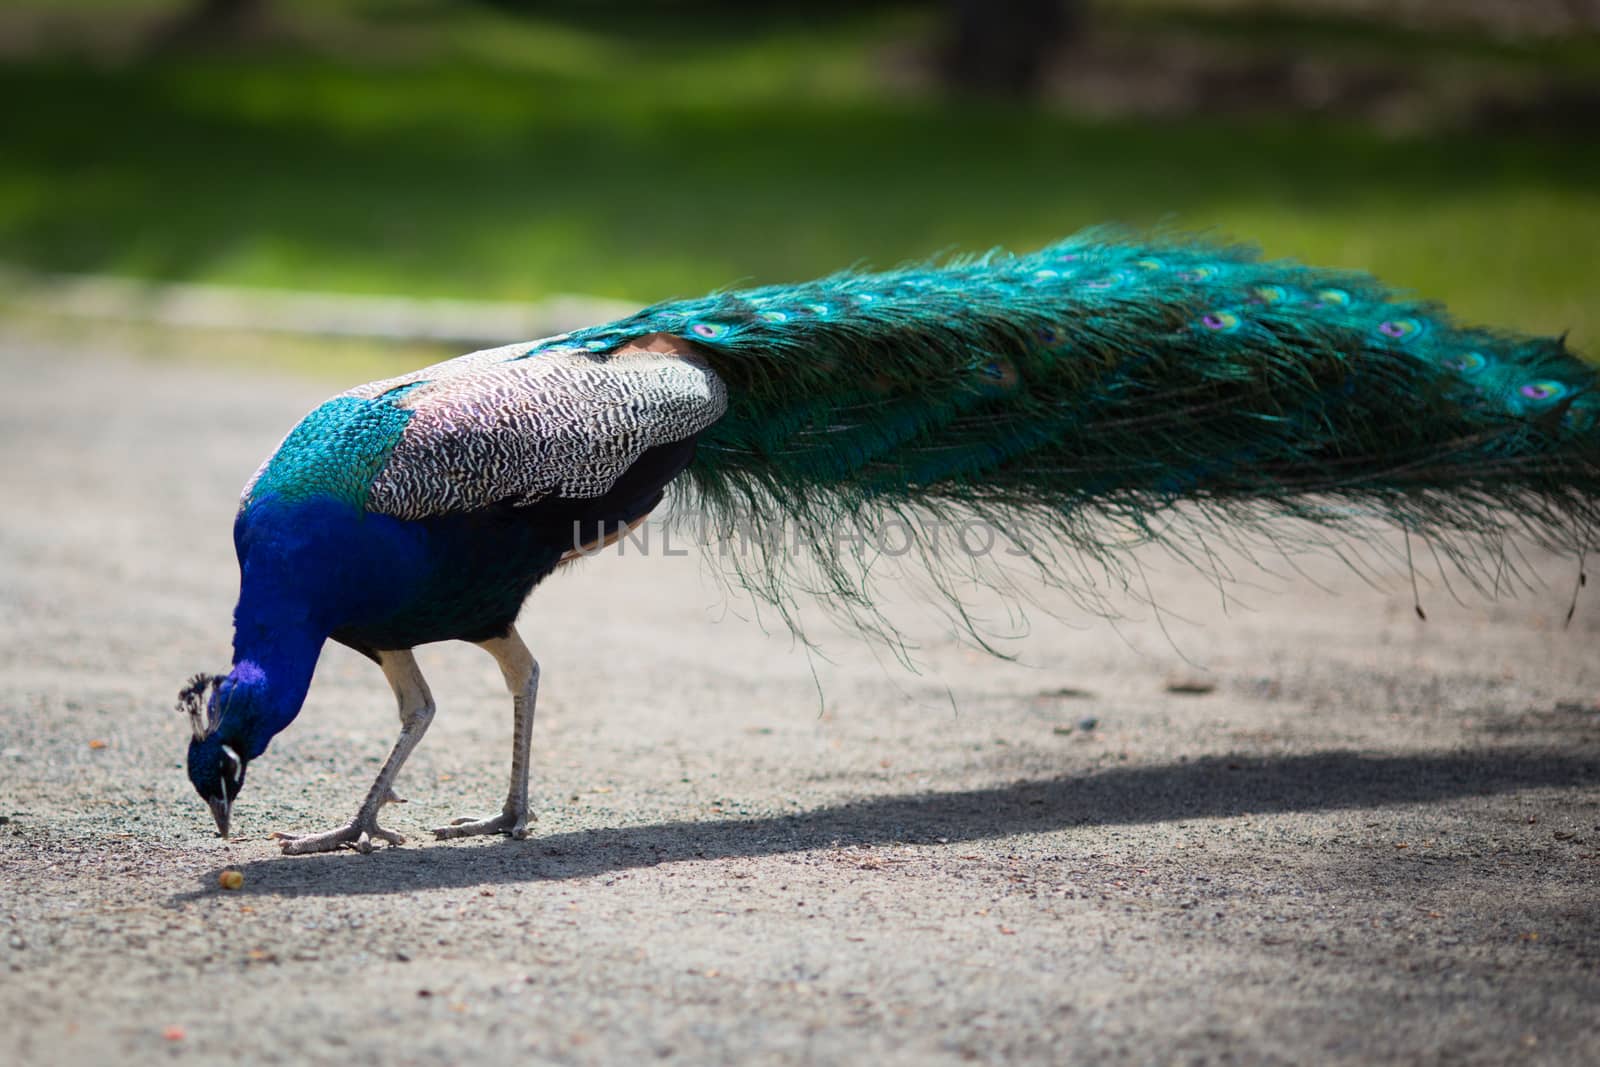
(216, 762)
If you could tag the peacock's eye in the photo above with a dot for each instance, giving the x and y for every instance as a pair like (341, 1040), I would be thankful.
(1271, 294)
(231, 769)
(1221, 321)
(1333, 298)
(775, 316)
(708, 330)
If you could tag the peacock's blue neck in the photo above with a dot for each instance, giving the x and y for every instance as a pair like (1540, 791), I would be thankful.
(306, 568)
(264, 691)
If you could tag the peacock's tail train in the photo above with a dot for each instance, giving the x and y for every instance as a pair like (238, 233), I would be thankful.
(1107, 392)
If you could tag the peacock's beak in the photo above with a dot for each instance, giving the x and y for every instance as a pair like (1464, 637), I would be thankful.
(219, 811)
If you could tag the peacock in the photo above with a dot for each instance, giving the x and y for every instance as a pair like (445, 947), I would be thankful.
(1104, 392)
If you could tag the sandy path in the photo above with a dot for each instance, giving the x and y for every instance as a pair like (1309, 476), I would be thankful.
(1376, 840)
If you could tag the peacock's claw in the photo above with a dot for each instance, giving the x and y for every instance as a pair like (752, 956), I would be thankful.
(357, 837)
(514, 824)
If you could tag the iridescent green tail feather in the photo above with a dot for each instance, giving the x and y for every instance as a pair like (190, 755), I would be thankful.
(1100, 387)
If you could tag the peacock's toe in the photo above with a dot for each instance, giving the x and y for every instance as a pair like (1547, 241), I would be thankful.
(511, 823)
(357, 837)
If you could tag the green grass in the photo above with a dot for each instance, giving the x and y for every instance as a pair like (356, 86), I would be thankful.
(505, 158)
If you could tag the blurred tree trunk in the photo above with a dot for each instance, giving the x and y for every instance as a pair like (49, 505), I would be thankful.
(1002, 47)
(208, 22)
(1585, 14)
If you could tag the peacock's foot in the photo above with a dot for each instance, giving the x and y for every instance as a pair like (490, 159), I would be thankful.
(512, 823)
(358, 835)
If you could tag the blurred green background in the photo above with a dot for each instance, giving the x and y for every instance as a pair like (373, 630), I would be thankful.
(509, 150)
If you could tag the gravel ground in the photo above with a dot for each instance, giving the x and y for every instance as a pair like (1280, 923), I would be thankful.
(1365, 839)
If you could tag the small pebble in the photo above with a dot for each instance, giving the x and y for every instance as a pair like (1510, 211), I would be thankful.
(231, 879)
(1087, 723)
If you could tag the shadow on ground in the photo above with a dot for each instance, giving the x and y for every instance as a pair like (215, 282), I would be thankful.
(1207, 788)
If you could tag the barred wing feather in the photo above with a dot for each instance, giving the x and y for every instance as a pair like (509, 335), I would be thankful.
(561, 423)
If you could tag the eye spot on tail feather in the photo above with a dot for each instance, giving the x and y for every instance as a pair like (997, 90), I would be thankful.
(1467, 362)
(1542, 391)
(996, 377)
(1401, 329)
(1109, 281)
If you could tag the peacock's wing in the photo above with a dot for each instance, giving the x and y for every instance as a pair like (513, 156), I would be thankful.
(521, 424)
(515, 424)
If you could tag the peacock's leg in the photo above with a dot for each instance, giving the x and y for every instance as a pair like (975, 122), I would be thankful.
(521, 673)
(416, 712)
